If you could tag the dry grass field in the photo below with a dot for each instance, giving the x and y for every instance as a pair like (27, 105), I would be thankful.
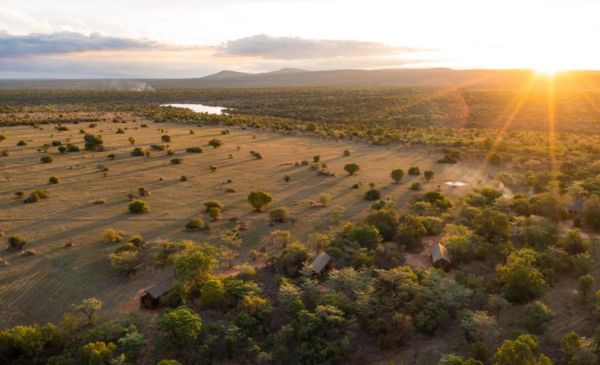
(42, 287)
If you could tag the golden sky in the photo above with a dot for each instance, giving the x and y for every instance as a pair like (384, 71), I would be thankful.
(189, 38)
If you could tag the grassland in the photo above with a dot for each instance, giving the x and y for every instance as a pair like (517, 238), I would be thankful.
(59, 277)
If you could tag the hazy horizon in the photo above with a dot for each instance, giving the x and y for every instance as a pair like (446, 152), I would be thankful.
(111, 39)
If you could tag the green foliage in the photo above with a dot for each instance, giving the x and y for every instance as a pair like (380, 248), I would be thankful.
(16, 243)
(591, 212)
(520, 351)
(259, 200)
(386, 222)
(54, 180)
(351, 168)
(213, 295)
(92, 142)
(99, 353)
(414, 171)
(215, 143)
(193, 266)
(46, 159)
(139, 207)
(519, 279)
(292, 259)
(397, 175)
(280, 215)
(537, 314)
(180, 327)
(573, 243)
(196, 224)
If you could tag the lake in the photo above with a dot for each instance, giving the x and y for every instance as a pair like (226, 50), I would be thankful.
(199, 108)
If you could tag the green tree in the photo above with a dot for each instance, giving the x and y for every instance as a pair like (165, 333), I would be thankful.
(386, 221)
(519, 279)
(351, 168)
(89, 307)
(591, 212)
(180, 327)
(584, 285)
(99, 353)
(397, 175)
(93, 143)
(259, 200)
(573, 242)
(428, 175)
(193, 267)
(212, 294)
(492, 224)
(537, 314)
(520, 351)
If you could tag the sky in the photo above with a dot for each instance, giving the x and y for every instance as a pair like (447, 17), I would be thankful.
(194, 38)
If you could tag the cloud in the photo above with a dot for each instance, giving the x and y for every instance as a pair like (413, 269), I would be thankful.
(287, 48)
(65, 42)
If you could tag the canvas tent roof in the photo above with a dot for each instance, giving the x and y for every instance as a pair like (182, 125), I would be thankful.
(320, 262)
(160, 289)
(439, 252)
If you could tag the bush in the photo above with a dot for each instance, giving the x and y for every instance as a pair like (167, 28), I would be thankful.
(386, 221)
(414, 171)
(165, 138)
(111, 156)
(53, 180)
(347, 153)
(212, 204)
(372, 194)
(16, 243)
(280, 215)
(259, 200)
(196, 224)
(46, 159)
(536, 315)
(428, 175)
(351, 168)
(215, 143)
(415, 186)
(194, 150)
(143, 191)
(92, 142)
(112, 236)
(36, 196)
(138, 207)
(21, 143)
(258, 156)
(214, 213)
(138, 151)
(176, 161)
(397, 175)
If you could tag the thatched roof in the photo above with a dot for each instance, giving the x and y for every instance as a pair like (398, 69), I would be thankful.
(160, 289)
(439, 252)
(320, 262)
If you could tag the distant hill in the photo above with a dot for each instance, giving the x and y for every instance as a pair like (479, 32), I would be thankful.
(291, 77)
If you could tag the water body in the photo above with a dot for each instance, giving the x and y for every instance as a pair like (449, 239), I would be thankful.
(199, 108)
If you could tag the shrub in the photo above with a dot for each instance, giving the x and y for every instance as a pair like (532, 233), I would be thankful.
(136, 240)
(214, 213)
(194, 150)
(258, 156)
(19, 194)
(183, 178)
(112, 236)
(428, 175)
(92, 142)
(415, 186)
(414, 171)
(126, 262)
(120, 131)
(316, 158)
(212, 204)
(215, 143)
(286, 178)
(397, 175)
(176, 161)
(46, 159)
(36, 196)
(259, 200)
(56, 143)
(536, 315)
(346, 153)
(53, 180)
(372, 194)
(351, 168)
(280, 215)
(324, 199)
(138, 151)
(196, 224)
(111, 156)
(16, 243)
(138, 207)
(71, 148)
(386, 221)
(21, 143)
(165, 138)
